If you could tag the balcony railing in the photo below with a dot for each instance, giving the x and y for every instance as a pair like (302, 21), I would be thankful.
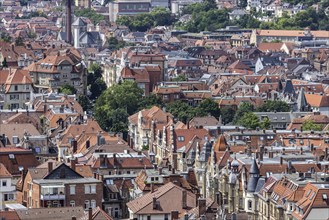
(52, 197)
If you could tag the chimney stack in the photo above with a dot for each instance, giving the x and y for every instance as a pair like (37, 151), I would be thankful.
(184, 199)
(74, 145)
(68, 22)
(202, 206)
(154, 203)
(90, 213)
(50, 167)
(73, 163)
(174, 215)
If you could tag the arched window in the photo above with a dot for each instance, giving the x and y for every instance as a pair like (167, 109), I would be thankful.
(87, 204)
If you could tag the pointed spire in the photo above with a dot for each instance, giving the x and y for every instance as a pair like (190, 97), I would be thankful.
(301, 100)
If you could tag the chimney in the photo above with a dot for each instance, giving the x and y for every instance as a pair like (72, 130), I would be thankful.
(184, 198)
(174, 160)
(202, 206)
(152, 187)
(174, 215)
(169, 167)
(261, 153)
(68, 22)
(50, 167)
(270, 154)
(90, 210)
(73, 163)
(160, 170)
(74, 145)
(154, 203)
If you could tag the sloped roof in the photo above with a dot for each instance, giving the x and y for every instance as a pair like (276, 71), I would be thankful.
(168, 197)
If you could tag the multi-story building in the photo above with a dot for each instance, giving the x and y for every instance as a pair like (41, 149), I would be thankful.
(144, 126)
(59, 187)
(7, 189)
(128, 8)
(15, 86)
(57, 70)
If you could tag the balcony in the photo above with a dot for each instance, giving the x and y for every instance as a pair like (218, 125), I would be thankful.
(52, 192)
(52, 197)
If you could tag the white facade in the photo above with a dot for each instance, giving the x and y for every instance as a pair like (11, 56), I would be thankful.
(7, 192)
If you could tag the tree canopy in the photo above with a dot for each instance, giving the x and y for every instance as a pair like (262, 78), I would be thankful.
(249, 120)
(227, 114)
(115, 104)
(184, 112)
(143, 22)
(95, 81)
(242, 110)
(91, 14)
(274, 106)
(68, 89)
(309, 125)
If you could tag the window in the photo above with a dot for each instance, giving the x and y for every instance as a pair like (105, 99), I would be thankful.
(72, 203)
(87, 204)
(90, 189)
(27, 87)
(16, 88)
(249, 204)
(166, 217)
(4, 183)
(72, 190)
(148, 217)
(93, 204)
(181, 138)
(313, 194)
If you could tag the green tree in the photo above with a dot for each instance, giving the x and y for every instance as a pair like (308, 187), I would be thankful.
(143, 22)
(180, 77)
(207, 107)
(272, 106)
(96, 88)
(244, 108)
(309, 125)
(249, 120)
(227, 114)
(68, 89)
(150, 101)
(181, 110)
(265, 123)
(115, 44)
(91, 14)
(84, 102)
(116, 103)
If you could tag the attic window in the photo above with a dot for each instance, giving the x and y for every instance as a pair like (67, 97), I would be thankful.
(181, 138)
(325, 197)
(308, 193)
(11, 156)
(312, 196)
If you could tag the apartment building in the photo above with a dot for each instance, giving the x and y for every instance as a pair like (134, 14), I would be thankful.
(62, 186)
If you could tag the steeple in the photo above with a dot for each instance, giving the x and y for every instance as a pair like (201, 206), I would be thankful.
(301, 101)
(253, 176)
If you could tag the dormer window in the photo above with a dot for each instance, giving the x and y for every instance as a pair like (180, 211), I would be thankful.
(181, 138)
